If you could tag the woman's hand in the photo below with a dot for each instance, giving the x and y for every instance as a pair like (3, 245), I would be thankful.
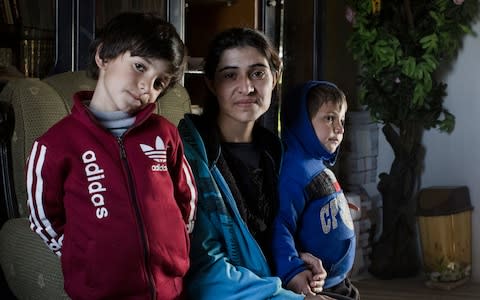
(319, 274)
(300, 283)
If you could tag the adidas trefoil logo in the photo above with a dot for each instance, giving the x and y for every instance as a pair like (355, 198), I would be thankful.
(158, 154)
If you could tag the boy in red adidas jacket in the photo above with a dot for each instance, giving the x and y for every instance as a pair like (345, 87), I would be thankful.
(109, 188)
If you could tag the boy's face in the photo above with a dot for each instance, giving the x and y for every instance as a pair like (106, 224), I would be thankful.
(328, 124)
(128, 83)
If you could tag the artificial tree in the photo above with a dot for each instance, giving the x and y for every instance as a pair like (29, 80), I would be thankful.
(400, 46)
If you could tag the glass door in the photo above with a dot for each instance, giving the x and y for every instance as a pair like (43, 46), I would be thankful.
(79, 20)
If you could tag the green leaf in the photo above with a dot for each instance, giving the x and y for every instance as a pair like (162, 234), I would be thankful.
(408, 67)
(466, 29)
(437, 18)
(448, 122)
(427, 83)
(430, 42)
(418, 95)
(431, 61)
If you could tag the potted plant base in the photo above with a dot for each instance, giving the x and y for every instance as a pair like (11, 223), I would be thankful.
(444, 219)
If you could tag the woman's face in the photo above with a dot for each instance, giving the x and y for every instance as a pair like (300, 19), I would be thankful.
(243, 84)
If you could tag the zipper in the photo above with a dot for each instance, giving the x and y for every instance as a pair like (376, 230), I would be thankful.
(131, 186)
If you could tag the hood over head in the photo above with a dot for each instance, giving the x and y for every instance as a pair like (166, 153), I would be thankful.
(297, 128)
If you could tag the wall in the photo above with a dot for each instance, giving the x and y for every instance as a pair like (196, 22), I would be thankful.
(455, 159)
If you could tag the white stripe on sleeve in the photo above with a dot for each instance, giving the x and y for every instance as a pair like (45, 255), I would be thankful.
(193, 194)
(39, 222)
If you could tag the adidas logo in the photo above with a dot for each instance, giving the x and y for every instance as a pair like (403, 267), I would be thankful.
(157, 154)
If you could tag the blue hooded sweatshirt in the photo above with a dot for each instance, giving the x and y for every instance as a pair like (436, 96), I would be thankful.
(314, 215)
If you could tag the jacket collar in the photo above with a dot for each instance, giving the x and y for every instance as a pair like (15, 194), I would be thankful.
(208, 132)
(82, 99)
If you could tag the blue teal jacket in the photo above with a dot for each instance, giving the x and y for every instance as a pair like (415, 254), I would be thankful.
(313, 216)
(226, 261)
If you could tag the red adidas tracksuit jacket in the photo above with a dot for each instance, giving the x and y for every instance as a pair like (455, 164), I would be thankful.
(117, 210)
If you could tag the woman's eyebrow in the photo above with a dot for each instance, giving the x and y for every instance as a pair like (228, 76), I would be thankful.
(226, 68)
(258, 65)
(235, 67)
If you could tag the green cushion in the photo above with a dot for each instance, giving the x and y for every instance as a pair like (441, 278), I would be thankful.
(31, 270)
(37, 107)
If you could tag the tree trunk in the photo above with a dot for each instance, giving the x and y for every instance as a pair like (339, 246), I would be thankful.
(396, 253)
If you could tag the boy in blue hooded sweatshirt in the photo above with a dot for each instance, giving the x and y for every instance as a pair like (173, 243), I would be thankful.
(314, 214)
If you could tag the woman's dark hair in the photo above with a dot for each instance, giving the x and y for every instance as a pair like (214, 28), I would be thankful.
(143, 34)
(237, 38)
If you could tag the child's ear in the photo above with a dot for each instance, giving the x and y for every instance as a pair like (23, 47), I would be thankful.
(98, 60)
(210, 86)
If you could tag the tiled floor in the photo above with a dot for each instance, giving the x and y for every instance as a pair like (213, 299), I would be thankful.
(413, 289)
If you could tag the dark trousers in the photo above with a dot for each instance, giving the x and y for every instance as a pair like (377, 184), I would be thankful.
(343, 291)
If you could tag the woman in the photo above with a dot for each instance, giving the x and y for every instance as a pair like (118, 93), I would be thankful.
(236, 164)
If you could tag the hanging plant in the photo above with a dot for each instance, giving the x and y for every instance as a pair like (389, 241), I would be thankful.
(400, 47)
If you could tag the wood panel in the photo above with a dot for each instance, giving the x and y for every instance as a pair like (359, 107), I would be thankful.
(413, 288)
(203, 21)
